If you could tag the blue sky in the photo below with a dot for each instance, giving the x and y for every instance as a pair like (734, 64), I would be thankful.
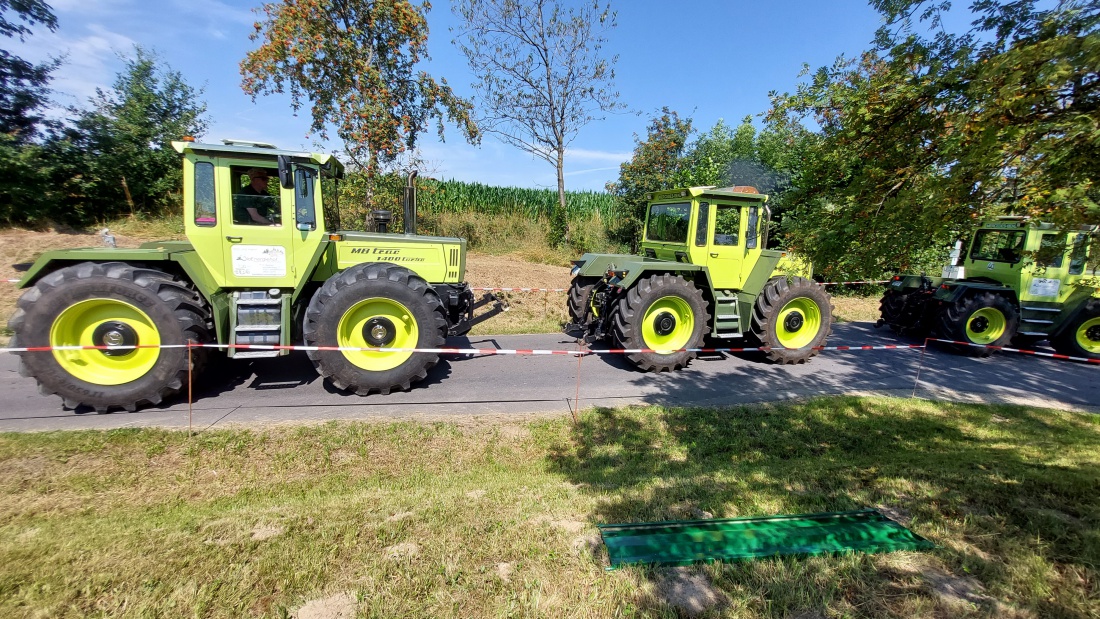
(708, 59)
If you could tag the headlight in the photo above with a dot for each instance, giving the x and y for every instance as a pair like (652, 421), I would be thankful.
(575, 271)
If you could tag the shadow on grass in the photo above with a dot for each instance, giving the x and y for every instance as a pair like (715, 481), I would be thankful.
(1011, 493)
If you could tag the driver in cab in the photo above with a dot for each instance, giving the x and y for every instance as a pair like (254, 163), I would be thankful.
(252, 205)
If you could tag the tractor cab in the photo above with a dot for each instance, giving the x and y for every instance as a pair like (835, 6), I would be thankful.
(1035, 259)
(256, 215)
(721, 229)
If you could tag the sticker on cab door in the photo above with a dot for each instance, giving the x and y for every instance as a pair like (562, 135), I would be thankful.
(259, 260)
(1045, 287)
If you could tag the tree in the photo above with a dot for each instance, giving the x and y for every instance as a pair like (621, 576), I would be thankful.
(923, 136)
(355, 62)
(542, 74)
(116, 156)
(24, 92)
(655, 165)
(23, 86)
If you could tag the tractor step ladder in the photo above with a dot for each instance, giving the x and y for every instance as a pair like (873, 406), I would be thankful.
(258, 317)
(1036, 319)
(727, 320)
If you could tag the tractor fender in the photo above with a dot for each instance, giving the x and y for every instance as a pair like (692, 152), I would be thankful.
(631, 268)
(176, 258)
(910, 282)
(952, 291)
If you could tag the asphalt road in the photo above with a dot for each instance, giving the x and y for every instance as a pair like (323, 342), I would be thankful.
(287, 390)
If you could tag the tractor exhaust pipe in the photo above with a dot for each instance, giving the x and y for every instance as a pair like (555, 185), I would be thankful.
(410, 203)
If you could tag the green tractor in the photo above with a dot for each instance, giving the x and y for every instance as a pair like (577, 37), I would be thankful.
(994, 295)
(705, 272)
(264, 265)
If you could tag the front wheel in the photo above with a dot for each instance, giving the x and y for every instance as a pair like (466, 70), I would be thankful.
(985, 319)
(1082, 337)
(376, 305)
(665, 314)
(793, 318)
(580, 293)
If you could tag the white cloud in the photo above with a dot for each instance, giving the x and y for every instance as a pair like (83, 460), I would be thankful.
(91, 61)
(583, 154)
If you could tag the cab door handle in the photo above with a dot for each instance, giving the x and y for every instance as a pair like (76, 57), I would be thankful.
(234, 239)
(714, 255)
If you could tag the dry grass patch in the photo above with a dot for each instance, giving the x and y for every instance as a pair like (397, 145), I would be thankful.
(425, 520)
(856, 309)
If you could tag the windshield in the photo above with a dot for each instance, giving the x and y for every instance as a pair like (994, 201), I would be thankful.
(668, 223)
(998, 245)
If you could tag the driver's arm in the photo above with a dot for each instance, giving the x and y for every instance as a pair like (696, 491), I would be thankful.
(256, 217)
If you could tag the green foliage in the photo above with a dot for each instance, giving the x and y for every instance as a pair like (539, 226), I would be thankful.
(111, 159)
(124, 161)
(24, 93)
(923, 136)
(23, 85)
(356, 63)
(655, 165)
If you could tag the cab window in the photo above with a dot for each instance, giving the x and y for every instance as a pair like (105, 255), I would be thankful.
(205, 213)
(701, 227)
(668, 223)
(255, 195)
(1052, 249)
(727, 224)
(998, 245)
(1079, 257)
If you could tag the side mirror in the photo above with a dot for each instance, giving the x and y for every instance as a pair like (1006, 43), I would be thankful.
(286, 173)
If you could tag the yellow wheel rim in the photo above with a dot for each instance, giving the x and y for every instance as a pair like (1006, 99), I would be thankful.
(1088, 336)
(798, 323)
(377, 323)
(103, 322)
(668, 324)
(986, 326)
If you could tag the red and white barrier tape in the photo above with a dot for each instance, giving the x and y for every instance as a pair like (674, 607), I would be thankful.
(490, 289)
(1035, 353)
(498, 289)
(453, 351)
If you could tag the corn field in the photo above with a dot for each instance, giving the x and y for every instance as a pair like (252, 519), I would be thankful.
(454, 197)
(435, 196)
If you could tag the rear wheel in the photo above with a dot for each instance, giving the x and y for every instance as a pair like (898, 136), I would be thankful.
(792, 317)
(985, 318)
(111, 304)
(1082, 337)
(374, 305)
(662, 313)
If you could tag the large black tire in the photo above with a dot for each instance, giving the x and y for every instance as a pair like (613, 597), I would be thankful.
(783, 310)
(330, 310)
(1083, 330)
(579, 291)
(892, 311)
(660, 303)
(176, 311)
(983, 318)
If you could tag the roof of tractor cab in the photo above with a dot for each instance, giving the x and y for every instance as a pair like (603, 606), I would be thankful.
(710, 191)
(240, 148)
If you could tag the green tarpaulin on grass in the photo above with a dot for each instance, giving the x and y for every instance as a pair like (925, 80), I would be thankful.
(685, 542)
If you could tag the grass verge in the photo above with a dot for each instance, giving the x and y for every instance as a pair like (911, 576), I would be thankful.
(423, 520)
